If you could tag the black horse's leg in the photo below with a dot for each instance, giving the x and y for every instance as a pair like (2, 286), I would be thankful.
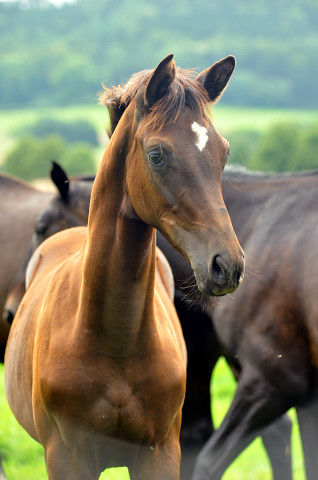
(307, 416)
(277, 442)
(255, 405)
(204, 351)
(188, 457)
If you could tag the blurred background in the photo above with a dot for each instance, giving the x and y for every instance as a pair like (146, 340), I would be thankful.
(55, 57)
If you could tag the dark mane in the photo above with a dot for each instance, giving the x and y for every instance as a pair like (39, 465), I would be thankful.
(184, 91)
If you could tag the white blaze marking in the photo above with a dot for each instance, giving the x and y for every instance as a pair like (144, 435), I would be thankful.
(202, 135)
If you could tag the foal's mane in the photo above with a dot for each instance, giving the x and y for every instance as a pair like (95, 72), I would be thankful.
(184, 91)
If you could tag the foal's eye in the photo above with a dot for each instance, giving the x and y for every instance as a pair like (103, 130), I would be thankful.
(156, 158)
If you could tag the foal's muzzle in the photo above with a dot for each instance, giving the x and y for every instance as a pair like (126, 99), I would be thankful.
(223, 275)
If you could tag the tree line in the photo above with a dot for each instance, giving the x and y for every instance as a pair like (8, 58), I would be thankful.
(60, 56)
(283, 147)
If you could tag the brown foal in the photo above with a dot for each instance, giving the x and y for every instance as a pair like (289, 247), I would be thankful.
(95, 362)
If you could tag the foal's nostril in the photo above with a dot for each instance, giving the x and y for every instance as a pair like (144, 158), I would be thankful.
(240, 271)
(8, 316)
(218, 270)
(239, 276)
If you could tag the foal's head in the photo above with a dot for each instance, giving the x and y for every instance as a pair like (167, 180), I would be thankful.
(175, 163)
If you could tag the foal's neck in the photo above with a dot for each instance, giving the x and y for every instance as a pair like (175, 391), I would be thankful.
(119, 262)
(81, 195)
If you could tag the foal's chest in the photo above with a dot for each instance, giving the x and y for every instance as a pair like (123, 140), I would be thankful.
(143, 403)
(136, 402)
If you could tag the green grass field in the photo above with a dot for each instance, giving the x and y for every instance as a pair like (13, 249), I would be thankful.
(23, 457)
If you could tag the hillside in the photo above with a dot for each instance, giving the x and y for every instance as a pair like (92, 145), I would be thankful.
(59, 56)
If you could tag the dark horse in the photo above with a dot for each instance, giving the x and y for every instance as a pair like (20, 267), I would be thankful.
(67, 208)
(20, 205)
(271, 339)
(95, 361)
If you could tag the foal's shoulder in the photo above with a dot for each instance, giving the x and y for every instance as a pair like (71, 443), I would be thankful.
(55, 249)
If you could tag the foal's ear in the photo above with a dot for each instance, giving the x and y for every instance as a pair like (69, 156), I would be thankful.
(61, 180)
(216, 78)
(160, 80)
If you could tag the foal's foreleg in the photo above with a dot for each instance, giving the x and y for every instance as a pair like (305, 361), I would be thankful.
(159, 462)
(63, 464)
(255, 405)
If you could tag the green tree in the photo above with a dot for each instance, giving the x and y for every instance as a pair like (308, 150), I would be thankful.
(275, 151)
(79, 160)
(306, 152)
(243, 144)
(21, 161)
(75, 131)
(54, 55)
(31, 157)
(78, 79)
(49, 148)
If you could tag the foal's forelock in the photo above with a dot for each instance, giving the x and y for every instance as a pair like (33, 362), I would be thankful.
(185, 91)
